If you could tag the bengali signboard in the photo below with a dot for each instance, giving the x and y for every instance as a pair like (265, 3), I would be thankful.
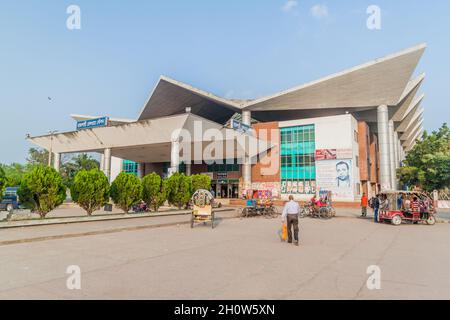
(333, 154)
(92, 123)
(240, 126)
(336, 176)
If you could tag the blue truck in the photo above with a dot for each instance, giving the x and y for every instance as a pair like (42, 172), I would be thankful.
(10, 200)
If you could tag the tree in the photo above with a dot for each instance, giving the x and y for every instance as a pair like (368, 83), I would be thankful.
(37, 156)
(90, 189)
(427, 165)
(2, 182)
(154, 190)
(42, 190)
(74, 164)
(126, 191)
(200, 181)
(179, 189)
(14, 173)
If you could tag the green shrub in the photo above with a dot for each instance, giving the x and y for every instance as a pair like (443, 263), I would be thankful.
(90, 189)
(2, 182)
(42, 190)
(200, 181)
(179, 190)
(154, 190)
(126, 191)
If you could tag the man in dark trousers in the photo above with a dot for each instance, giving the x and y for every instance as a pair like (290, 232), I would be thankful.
(376, 207)
(290, 213)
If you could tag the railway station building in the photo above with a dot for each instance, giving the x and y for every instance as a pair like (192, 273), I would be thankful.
(346, 133)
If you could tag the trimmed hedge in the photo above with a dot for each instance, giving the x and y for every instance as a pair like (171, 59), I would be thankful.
(90, 189)
(42, 190)
(126, 191)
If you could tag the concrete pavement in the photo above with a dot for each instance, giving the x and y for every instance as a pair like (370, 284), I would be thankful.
(240, 259)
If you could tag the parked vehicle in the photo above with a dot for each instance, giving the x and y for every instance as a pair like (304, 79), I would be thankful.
(10, 200)
(399, 212)
(141, 207)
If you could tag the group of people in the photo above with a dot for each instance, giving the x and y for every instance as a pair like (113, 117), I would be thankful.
(407, 203)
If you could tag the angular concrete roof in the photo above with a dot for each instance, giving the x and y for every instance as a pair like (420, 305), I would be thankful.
(382, 81)
(171, 97)
(378, 82)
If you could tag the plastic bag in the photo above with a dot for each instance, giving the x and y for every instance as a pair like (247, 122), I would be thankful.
(282, 233)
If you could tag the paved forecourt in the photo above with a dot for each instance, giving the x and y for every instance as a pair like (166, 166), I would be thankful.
(240, 259)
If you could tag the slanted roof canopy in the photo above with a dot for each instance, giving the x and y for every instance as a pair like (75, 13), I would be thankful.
(384, 81)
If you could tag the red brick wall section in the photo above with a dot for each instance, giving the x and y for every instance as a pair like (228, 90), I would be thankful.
(267, 169)
(374, 158)
(363, 132)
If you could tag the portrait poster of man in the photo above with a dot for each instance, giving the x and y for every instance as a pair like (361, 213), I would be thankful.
(336, 176)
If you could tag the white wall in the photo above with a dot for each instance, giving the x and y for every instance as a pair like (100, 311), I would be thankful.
(335, 132)
(116, 167)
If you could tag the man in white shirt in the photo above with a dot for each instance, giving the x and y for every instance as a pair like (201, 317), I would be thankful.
(290, 213)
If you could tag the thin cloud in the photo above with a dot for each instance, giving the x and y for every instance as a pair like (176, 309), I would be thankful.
(319, 11)
(290, 6)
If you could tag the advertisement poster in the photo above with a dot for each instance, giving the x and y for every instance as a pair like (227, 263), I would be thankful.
(336, 176)
(333, 154)
(294, 187)
(301, 188)
(283, 187)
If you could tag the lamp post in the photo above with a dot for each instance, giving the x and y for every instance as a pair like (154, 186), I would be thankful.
(51, 132)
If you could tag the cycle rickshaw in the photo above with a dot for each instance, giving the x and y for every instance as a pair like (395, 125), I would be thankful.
(260, 204)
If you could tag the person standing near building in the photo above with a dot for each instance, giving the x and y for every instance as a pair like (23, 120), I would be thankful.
(290, 214)
(376, 207)
(364, 203)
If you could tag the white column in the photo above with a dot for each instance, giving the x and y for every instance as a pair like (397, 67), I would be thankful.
(102, 162)
(107, 163)
(174, 157)
(141, 170)
(392, 154)
(57, 161)
(396, 158)
(188, 169)
(247, 166)
(383, 142)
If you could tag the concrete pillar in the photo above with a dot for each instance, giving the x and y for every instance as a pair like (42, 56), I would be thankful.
(383, 142)
(107, 163)
(392, 154)
(141, 170)
(102, 162)
(188, 169)
(174, 157)
(247, 166)
(396, 158)
(57, 161)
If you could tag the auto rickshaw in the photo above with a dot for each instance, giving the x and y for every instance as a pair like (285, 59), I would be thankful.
(398, 210)
(202, 207)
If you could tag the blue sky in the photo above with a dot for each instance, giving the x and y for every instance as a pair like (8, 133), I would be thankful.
(233, 48)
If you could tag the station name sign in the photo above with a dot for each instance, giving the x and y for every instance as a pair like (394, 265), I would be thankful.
(240, 127)
(92, 123)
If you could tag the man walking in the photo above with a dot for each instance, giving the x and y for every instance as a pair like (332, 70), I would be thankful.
(290, 213)
(364, 203)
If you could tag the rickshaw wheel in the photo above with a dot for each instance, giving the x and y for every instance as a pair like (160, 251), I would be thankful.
(192, 221)
(396, 220)
(431, 221)
(212, 220)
